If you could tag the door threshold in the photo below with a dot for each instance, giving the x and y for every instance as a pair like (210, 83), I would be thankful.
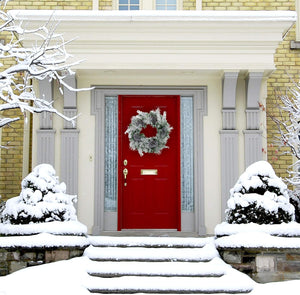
(149, 233)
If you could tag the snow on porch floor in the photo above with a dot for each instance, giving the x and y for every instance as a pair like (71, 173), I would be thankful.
(160, 265)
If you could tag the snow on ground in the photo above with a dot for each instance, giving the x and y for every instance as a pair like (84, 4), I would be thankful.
(70, 277)
(62, 278)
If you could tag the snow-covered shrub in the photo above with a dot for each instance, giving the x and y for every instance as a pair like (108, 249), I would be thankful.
(42, 199)
(295, 201)
(259, 196)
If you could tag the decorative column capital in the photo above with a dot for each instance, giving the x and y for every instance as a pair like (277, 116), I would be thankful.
(70, 101)
(253, 85)
(46, 93)
(229, 99)
(229, 89)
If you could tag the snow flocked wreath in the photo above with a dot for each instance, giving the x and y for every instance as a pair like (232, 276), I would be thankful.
(155, 144)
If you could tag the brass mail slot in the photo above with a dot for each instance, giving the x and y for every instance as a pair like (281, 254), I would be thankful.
(148, 171)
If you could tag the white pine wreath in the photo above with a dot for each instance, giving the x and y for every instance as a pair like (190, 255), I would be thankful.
(138, 140)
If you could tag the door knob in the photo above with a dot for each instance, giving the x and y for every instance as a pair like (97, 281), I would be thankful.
(125, 172)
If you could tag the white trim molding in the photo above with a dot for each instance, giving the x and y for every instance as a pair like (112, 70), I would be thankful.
(202, 40)
(198, 4)
(95, 4)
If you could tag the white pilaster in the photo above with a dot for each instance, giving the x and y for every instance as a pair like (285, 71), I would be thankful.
(46, 134)
(46, 146)
(229, 138)
(252, 135)
(69, 140)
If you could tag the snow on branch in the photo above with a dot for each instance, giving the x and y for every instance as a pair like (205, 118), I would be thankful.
(288, 124)
(46, 59)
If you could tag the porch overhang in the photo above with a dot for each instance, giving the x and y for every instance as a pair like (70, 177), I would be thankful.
(168, 40)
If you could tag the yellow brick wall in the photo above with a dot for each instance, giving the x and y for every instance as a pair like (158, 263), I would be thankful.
(53, 5)
(287, 69)
(11, 157)
(189, 4)
(248, 5)
(105, 4)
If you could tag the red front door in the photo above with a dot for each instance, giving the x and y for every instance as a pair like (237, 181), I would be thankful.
(150, 201)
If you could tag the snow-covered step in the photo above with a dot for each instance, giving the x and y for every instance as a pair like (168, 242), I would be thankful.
(126, 265)
(212, 268)
(153, 242)
(206, 253)
(229, 283)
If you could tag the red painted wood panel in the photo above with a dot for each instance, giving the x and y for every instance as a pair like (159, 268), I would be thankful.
(149, 201)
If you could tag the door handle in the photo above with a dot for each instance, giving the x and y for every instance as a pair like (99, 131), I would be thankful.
(125, 172)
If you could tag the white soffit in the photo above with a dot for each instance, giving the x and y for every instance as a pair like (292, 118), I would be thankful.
(174, 40)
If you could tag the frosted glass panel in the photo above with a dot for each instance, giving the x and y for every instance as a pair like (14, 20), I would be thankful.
(111, 154)
(187, 154)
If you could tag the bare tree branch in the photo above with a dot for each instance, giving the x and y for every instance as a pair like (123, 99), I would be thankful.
(288, 126)
(47, 59)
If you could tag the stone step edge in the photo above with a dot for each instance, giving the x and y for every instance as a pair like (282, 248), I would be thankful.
(149, 242)
(147, 246)
(148, 260)
(180, 291)
(118, 275)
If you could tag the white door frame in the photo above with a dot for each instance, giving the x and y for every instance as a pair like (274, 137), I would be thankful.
(107, 221)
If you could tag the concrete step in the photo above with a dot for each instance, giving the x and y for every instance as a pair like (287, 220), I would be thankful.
(126, 265)
(204, 254)
(212, 268)
(165, 285)
(148, 242)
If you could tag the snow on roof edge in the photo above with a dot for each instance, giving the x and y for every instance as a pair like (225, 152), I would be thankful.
(154, 15)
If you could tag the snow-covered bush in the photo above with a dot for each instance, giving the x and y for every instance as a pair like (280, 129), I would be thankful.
(295, 201)
(259, 196)
(42, 199)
